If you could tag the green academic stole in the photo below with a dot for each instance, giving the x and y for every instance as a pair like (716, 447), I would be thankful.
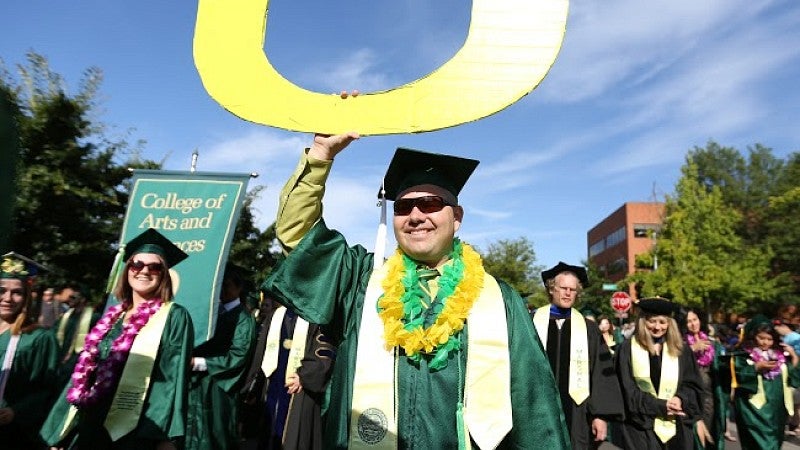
(487, 397)
(578, 350)
(664, 428)
(759, 399)
(126, 407)
(297, 349)
(80, 332)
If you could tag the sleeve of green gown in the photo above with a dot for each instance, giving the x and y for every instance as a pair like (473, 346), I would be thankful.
(39, 380)
(320, 277)
(227, 368)
(166, 406)
(794, 375)
(301, 200)
(746, 376)
(535, 405)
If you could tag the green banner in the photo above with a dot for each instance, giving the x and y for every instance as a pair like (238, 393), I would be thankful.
(198, 212)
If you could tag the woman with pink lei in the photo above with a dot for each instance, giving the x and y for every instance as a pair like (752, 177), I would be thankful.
(129, 387)
(29, 355)
(764, 374)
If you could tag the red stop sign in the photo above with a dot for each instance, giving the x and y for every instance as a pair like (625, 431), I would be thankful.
(620, 301)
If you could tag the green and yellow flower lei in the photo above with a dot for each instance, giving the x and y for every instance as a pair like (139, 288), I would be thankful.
(403, 313)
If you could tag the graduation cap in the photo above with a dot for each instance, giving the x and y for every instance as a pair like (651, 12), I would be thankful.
(410, 168)
(757, 321)
(151, 241)
(15, 265)
(579, 272)
(658, 306)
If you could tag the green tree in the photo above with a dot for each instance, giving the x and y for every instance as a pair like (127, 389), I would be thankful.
(251, 248)
(703, 261)
(514, 261)
(71, 194)
(746, 184)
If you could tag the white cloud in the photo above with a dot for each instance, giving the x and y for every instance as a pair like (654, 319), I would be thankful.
(357, 72)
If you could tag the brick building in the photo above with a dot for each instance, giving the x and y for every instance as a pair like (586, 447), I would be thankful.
(629, 231)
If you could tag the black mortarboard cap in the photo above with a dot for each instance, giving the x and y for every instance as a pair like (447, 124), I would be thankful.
(755, 322)
(579, 272)
(151, 241)
(413, 167)
(15, 265)
(658, 306)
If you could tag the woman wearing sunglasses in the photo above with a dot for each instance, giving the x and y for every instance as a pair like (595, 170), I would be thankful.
(128, 389)
(29, 356)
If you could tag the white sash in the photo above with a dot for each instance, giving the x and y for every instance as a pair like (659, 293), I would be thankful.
(578, 350)
(269, 362)
(297, 351)
(373, 415)
(8, 363)
(664, 427)
(126, 408)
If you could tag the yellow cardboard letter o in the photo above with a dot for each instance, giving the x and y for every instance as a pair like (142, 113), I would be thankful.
(509, 49)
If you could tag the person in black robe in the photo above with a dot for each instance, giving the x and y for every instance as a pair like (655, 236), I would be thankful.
(588, 420)
(656, 329)
(281, 415)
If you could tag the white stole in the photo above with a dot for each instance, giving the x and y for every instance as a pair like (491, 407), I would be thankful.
(664, 427)
(126, 408)
(578, 350)
(8, 363)
(296, 353)
(487, 416)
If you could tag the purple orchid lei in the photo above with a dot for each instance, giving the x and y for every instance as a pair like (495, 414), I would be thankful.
(704, 357)
(756, 354)
(85, 393)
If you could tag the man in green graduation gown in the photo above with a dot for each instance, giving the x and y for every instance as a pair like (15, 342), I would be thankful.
(580, 359)
(218, 367)
(432, 351)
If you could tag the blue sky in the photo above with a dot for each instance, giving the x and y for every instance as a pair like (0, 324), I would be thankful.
(635, 86)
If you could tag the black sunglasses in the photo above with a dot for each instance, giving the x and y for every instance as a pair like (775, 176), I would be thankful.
(426, 205)
(138, 266)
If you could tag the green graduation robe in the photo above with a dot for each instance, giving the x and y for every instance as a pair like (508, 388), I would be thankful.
(30, 387)
(760, 428)
(164, 411)
(325, 281)
(213, 394)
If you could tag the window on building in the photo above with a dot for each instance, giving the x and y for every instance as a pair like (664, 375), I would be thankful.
(645, 230)
(597, 247)
(616, 237)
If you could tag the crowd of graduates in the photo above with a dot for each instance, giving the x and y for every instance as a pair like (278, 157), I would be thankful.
(81, 374)
(349, 349)
(741, 371)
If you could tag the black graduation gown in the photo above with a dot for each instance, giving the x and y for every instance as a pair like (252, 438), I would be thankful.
(605, 398)
(303, 425)
(641, 408)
